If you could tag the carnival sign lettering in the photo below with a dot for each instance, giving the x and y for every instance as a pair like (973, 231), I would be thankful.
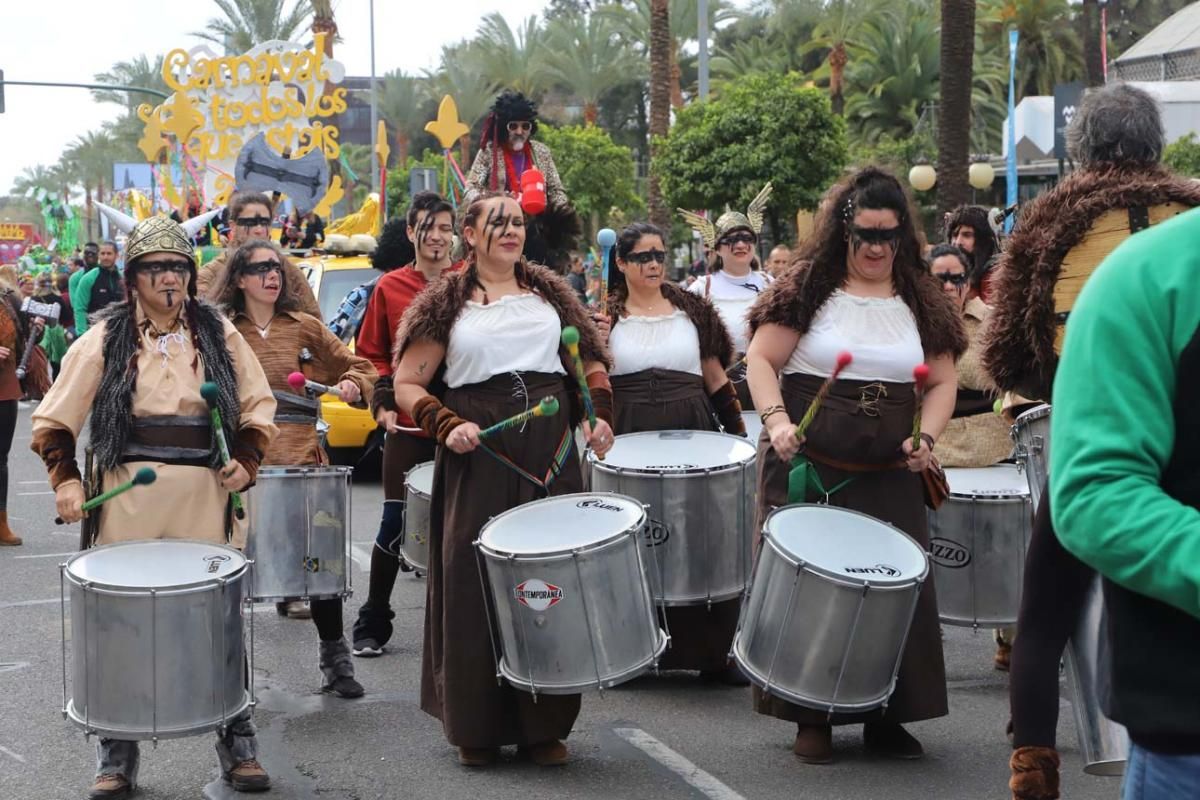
(15, 232)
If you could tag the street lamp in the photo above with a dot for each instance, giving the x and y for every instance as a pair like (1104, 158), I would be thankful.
(980, 174)
(922, 176)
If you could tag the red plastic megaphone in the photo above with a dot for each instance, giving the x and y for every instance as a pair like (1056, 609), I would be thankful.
(533, 192)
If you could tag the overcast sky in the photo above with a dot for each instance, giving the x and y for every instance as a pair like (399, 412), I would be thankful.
(72, 40)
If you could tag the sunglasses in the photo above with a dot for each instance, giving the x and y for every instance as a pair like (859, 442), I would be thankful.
(955, 279)
(253, 222)
(875, 235)
(519, 127)
(646, 256)
(262, 267)
(737, 238)
(160, 268)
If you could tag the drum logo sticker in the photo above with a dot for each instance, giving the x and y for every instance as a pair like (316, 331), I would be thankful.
(948, 553)
(537, 594)
(215, 562)
(597, 503)
(885, 570)
(657, 533)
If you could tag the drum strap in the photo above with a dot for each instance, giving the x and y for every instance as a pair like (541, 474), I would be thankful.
(804, 481)
(556, 465)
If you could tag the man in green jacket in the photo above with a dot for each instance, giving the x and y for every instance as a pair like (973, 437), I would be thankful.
(97, 288)
(1125, 490)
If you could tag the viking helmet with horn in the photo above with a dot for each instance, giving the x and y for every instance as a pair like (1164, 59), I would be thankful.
(159, 235)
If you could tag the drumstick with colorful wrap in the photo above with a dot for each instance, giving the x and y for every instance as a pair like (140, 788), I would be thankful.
(843, 360)
(143, 477)
(570, 337)
(606, 238)
(210, 393)
(920, 377)
(548, 407)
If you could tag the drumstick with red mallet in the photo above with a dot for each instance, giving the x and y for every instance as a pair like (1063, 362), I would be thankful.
(299, 383)
(843, 360)
(920, 377)
(210, 393)
(143, 477)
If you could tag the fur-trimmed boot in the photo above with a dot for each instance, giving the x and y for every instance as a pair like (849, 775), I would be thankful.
(7, 537)
(1034, 773)
(338, 669)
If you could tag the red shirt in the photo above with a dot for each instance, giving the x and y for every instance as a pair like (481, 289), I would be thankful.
(393, 294)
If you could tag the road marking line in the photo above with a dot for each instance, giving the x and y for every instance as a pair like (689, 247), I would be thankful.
(47, 555)
(8, 752)
(12, 666)
(695, 777)
(360, 557)
(32, 494)
(36, 483)
(22, 603)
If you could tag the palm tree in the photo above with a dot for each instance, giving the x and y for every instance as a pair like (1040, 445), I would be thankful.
(586, 57)
(139, 71)
(401, 100)
(324, 23)
(660, 99)
(509, 57)
(747, 56)
(1089, 35)
(39, 177)
(250, 22)
(837, 31)
(1048, 51)
(954, 117)
(473, 92)
(91, 158)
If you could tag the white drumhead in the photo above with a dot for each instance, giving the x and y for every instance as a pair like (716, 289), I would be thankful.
(420, 478)
(1000, 480)
(678, 451)
(846, 544)
(754, 426)
(561, 523)
(155, 564)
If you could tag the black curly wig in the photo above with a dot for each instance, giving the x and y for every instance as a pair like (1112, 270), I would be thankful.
(394, 249)
(986, 246)
(510, 106)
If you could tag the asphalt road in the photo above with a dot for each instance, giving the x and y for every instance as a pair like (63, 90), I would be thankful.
(668, 737)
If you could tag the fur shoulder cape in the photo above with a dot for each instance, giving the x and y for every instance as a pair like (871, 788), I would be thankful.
(714, 338)
(938, 321)
(1019, 338)
(435, 310)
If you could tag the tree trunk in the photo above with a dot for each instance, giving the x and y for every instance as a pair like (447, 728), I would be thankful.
(837, 67)
(1090, 33)
(87, 197)
(402, 150)
(660, 100)
(590, 113)
(676, 78)
(954, 117)
(464, 152)
(329, 28)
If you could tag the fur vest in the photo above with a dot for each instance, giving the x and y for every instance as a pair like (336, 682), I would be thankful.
(1019, 338)
(434, 311)
(938, 321)
(714, 338)
(112, 408)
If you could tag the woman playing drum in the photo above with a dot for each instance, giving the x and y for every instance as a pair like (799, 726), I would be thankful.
(492, 334)
(670, 351)
(860, 286)
(264, 305)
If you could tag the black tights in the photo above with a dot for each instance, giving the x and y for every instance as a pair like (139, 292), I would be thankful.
(327, 616)
(1056, 585)
(8, 424)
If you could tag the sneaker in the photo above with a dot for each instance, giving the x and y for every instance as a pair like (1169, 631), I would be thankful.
(108, 787)
(367, 648)
(248, 776)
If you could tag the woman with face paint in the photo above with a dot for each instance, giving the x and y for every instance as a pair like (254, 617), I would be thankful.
(487, 340)
(860, 286)
(250, 218)
(670, 351)
(265, 309)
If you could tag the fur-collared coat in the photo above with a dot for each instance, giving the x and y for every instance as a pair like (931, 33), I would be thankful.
(1019, 338)
(793, 300)
(715, 341)
(433, 313)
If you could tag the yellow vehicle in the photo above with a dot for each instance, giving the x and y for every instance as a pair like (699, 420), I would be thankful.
(352, 432)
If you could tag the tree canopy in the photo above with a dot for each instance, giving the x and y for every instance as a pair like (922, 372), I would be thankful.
(596, 172)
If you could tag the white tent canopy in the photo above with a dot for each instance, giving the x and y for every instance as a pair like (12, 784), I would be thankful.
(1170, 52)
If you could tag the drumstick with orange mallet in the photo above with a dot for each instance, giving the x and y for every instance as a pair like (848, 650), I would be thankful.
(843, 360)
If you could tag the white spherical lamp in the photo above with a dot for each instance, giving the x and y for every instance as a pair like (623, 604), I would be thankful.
(922, 176)
(980, 175)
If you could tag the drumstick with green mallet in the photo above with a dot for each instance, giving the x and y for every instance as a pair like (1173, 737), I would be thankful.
(210, 393)
(570, 337)
(143, 477)
(548, 407)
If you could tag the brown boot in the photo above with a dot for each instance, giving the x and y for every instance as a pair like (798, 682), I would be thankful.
(814, 744)
(110, 787)
(477, 756)
(7, 537)
(549, 754)
(1034, 773)
(248, 776)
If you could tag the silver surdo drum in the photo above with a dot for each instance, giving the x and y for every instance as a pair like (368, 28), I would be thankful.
(977, 543)
(830, 604)
(299, 533)
(571, 601)
(699, 487)
(156, 638)
(1031, 435)
(1105, 744)
(754, 425)
(418, 489)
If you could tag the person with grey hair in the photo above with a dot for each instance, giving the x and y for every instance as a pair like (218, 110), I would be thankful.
(1116, 140)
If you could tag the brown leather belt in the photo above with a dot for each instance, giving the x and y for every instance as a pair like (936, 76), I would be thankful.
(170, 439)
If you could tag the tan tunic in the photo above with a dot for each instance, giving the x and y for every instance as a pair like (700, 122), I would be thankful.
(184, 502)
(980, 440)
(278, 351)
(210, 277)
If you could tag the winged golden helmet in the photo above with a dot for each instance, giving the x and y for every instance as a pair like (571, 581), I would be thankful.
(731, 220)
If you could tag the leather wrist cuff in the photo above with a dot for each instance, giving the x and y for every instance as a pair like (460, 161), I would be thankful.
(249, 449)
(434, 418)
(56, 447)
(729, 410)
(383, 396)
(602, 396)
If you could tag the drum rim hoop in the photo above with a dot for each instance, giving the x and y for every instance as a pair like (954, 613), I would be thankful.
(300, 471)
(637, 526)
(1032, 415)
(161, 591)
(728, 467)
(408, 487)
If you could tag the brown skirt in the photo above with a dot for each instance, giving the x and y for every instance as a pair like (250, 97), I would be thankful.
(864, 424)
(402, 452)
(458, 667)
(666, 400)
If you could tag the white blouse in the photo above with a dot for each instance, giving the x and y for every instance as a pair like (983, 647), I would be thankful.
(666, 342)
(732, 298)
(881, 333)
(517, 333)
